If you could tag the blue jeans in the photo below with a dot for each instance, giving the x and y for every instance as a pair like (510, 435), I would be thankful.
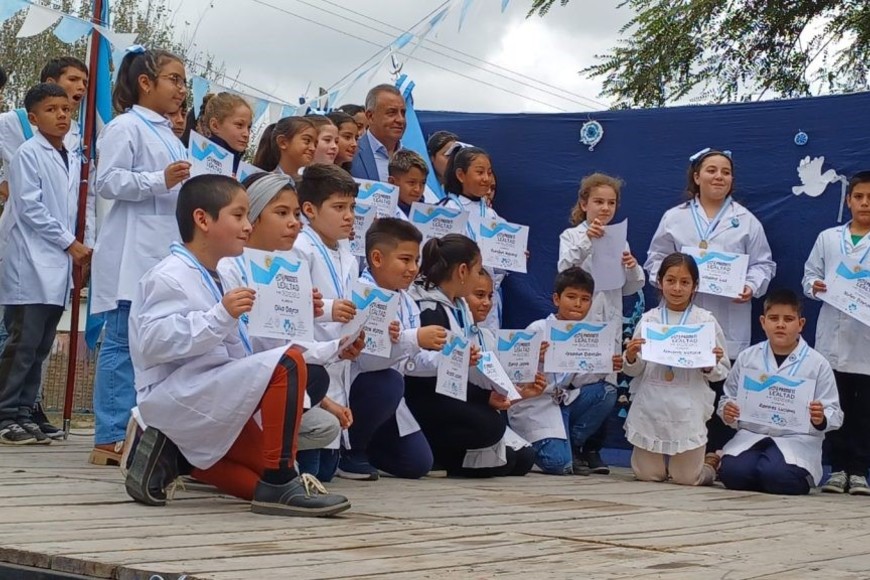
(114, 390)
(321, 463)
(582, 419)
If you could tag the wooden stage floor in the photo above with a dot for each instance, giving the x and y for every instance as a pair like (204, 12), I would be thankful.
(64, 516)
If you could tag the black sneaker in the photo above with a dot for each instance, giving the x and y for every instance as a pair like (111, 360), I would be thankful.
(579, 465)
(304, 496)
(11, 433)
(33, 429)
(595, 463)
(39, 417)
(153, 468)
(356, 466)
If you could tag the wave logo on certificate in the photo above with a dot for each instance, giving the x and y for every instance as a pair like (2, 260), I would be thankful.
(381, 308)
(681, 346)
(207, 157)
(435, 221)
(363, 217)
(452, 379)
(503, 245)
(776, 401)
(518, 352)
(849, 289)
(383, 196)
(284, 307)
(580, 347)
(721, 273)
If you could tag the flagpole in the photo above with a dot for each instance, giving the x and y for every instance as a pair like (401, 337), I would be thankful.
(78, 279)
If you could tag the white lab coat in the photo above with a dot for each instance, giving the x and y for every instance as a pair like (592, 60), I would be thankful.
(677, 229)
(575, 249)
(35, 267)
(801, 449)
(840, 338)
(541, 417)
(670, 417)
(479, 213)
(133, 151)
(195, 381)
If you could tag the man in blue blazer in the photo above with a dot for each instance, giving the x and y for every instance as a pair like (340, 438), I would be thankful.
(385, 110)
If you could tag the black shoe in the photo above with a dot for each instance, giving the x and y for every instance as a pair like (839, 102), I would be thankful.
(304, 496)
(33, 429)
(11, 433)
(39, 417)
(579, 465)
(595, 463)
(153, 468)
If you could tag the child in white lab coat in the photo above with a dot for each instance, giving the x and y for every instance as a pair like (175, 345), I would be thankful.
(712, 220)
(226, 121)
(408, 171)
(327, 195)
(843, 339)
(199, 382)
(597, 203)
(141, 164)
(36, 269)
(574, 405)
(666, 423)
(772, 459)
(385, 435)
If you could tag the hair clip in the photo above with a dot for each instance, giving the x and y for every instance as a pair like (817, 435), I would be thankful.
(707, 150)
(135, 49)
(456, 145)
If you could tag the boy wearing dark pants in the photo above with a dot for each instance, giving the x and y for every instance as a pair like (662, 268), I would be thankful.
(36, 268)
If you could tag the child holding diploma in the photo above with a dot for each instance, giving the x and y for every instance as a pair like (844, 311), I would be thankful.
(141, 166)
(275, 215)
(287, 146)
(843, 339)
(711, 220)
(467, 182)
(200, 384)
(466, 436)
(327, 196)
(226, 121)
(408, 171)
(385, 436)
(597, 203)
(778, 459)
(670, 406)
(573, 406)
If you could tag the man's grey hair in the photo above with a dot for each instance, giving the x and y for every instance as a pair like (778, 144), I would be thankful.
(372, 96)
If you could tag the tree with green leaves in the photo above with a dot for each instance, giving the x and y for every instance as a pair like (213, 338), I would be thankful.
(733, 50)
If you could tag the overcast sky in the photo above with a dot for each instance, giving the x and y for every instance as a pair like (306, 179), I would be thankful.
(281, 50)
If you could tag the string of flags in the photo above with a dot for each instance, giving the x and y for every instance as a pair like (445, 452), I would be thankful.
(69, 29)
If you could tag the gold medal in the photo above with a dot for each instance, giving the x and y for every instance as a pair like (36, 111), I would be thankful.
(857, 269)
(703, 245)
(669, 375)
(763, 378)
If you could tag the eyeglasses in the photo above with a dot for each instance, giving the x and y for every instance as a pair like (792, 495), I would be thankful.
(179, 81)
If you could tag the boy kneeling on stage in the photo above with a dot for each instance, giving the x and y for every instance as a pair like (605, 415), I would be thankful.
(199, 384)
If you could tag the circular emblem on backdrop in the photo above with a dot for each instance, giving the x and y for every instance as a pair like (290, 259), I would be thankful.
(591, 133)
(801, 139)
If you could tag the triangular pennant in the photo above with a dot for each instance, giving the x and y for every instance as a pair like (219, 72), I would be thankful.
(71, 29)
(9, 8)
(288, 111)
(118, 40)
(38, 19)
(260, 106)
(200, 90)
(504, 5)
(274, 112)
(466, 4)
(403, 40)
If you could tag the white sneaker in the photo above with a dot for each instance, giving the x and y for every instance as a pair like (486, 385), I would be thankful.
(858, 485)
(837, 483)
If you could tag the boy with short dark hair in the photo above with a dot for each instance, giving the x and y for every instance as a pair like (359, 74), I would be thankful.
(842, 339)
(408, 171)
(573, 406)
(198, 382)
(777, 459)
(327, 196)
(36, 267)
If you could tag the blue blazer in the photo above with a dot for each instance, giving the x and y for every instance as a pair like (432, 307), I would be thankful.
(363, 165)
